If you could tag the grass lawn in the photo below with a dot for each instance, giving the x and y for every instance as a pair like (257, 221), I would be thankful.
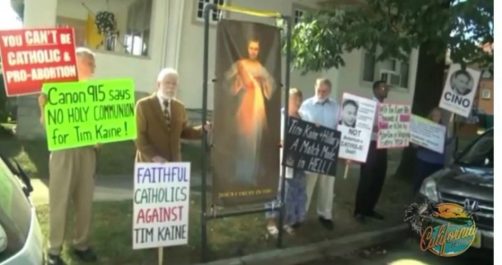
(114, 158)
(228, 237)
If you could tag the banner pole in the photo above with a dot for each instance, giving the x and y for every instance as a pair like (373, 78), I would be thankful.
(284, 136)
(161, 256)
(346, 172)
(203, 238)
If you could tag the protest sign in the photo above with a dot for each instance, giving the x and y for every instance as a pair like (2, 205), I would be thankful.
(88, 113)
(356, 126)
(311, 148)
(393, 126)
(459, 90)
(31, 57)
(427, 134)
(161, 200)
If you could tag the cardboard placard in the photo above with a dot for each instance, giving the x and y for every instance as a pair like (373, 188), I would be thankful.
(87, 113)
(459, 90)
(311, 148)
(427, 134)
(356, 125)
(161, 204)
(393, 126)
(31, 57)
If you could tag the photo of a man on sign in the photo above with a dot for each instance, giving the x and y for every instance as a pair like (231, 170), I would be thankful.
(461, 82)
(459, 90)
(349, 113)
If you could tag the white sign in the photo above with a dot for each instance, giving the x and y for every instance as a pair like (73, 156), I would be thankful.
(427, 134)
(393, 125)
(459, 90)
(161, 200)
(356, 125)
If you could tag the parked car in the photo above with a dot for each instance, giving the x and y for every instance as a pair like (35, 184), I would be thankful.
(21, 240)
(468, 181)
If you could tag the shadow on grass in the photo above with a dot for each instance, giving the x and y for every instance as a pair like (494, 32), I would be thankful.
(236, 236)
(227, 237)
(31, 154)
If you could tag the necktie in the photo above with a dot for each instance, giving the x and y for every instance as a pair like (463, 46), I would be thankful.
(167, 117)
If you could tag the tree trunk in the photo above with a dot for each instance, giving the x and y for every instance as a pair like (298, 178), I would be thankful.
(428, 89)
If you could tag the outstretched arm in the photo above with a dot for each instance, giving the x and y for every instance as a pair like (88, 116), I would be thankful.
(190, 132)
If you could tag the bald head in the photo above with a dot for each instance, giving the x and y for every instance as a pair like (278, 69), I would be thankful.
(86, 63)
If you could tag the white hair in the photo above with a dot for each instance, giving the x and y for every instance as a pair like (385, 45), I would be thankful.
(166, 71)
(83, 51)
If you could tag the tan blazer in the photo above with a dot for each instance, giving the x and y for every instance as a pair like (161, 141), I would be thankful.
(155, 138)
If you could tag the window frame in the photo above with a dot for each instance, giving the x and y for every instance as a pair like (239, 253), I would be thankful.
(377, 68)
(200, 20)
(299, 7)
(124, 42)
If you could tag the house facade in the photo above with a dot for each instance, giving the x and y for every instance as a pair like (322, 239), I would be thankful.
(152, 34)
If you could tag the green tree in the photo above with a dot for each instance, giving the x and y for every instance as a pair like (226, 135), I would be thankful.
(395, 28)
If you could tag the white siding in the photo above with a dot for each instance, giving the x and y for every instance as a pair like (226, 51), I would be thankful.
(115, 65)
(352, 79)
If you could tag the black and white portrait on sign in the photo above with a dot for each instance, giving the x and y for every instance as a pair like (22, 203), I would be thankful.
(461, 82)
(459, 90)
(349, 113)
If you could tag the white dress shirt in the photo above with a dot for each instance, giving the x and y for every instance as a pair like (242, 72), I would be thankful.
(324, 113)
(161, 101)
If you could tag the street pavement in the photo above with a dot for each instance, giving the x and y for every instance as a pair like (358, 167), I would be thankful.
(406, 252)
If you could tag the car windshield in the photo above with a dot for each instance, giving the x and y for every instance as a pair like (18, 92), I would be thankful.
(15, 211)
(480, 153)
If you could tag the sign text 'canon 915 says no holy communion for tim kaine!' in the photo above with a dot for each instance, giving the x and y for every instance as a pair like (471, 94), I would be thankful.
(88, 113)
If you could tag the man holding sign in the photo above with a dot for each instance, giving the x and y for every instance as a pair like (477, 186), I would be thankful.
(373, 172)
(162, 122)
(321, 110)
(72, 173)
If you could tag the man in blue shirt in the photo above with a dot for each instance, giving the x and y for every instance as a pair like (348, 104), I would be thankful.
(323, 111)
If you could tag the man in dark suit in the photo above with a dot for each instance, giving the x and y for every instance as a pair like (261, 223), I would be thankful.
(162, 121)
(373, 172)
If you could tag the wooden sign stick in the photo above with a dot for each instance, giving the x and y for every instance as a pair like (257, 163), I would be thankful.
(347, 166)
(161, 256)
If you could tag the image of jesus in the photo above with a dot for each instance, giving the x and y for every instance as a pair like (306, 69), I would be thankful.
(253, 85)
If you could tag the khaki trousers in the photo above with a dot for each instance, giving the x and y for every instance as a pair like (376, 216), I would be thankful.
(325, 193)
(71, 179)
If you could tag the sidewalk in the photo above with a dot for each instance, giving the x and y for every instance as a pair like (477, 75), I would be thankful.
(108, 188)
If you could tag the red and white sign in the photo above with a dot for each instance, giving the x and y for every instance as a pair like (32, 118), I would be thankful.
(31, 57)
(393, 125)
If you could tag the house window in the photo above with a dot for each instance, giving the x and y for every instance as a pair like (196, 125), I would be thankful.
(137, 37)
(298, 15)
(392, 71)
(214, 15)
